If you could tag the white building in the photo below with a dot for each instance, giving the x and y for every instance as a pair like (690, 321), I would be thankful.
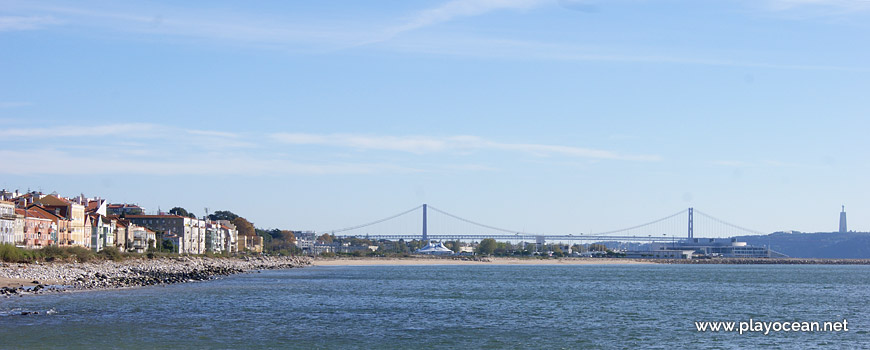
(7, 222)
(434, 248)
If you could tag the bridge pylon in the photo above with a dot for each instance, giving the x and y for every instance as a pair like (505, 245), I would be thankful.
(425, 234)
(691, 224)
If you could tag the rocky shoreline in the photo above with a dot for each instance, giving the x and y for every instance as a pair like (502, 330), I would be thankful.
(60, 277)
(765, 261)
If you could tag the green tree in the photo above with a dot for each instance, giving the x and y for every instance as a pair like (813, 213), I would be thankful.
(267, 236)
(244, 227)
(595, 247)
(179, 211)
(455, 246)
(288, 236)
(487, 246)
(169, 246)
(223, 215)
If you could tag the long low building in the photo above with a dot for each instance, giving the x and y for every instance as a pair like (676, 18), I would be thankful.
(721, 247)
(660, 254)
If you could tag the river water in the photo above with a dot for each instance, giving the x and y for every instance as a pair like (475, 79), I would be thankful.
(401, 307)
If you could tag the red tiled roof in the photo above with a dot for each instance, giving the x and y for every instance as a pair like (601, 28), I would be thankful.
(93, 205)
(30, 213)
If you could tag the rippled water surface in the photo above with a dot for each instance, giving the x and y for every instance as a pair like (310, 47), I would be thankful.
(577, 306)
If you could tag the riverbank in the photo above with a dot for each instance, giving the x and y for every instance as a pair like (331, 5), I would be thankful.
(38, 278)
(765, 261)
(424, 260)
(433, 260)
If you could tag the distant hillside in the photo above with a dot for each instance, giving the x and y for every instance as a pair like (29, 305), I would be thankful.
(832, 245)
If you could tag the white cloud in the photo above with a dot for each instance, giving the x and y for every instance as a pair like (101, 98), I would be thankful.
(203, 23)
(427, 144)
(12, 104)
(133, 129)
(763, 163)
(470, 46)
(52, 161)
(849, 5)
(447, 12)
(213, 133)
(413, 144)
(13, 23)
(460, 8)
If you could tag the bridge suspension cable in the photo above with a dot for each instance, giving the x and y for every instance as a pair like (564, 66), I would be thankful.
(641, 225)
(723, 222)
(474, 223)
(377, 221)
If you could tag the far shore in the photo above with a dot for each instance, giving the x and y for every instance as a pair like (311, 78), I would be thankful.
(371, 261)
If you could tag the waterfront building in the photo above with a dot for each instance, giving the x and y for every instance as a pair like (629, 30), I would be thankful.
(190, 232)
(305, 240)
(71, 211)
(230, 234)
(317, 248)
(103, 231)
(61, 234)
(124, 209)
(660, 254)
(197, 238)
(7, 222)
(434, 248)
(252, 244)
(214, 237)
(143, 239)
(174, 239)
(38, 229)
(18, 232)
(123, 235)
(720, 247)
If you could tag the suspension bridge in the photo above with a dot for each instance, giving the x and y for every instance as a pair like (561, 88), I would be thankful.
(426, 222)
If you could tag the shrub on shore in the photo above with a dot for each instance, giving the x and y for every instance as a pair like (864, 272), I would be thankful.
(111, 253)
(13, 254)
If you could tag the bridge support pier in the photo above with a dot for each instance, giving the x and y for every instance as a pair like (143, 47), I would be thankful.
(425, 234)
(691, 229)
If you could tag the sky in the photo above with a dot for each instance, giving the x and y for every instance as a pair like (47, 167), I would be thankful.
(556, 116)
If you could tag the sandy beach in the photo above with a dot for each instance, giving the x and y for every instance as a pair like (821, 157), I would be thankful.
(22, 282)
(487, 261)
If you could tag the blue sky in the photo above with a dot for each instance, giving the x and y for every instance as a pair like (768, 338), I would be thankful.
(558, 116)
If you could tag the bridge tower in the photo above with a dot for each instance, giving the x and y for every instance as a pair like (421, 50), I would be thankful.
(691, 229)
(425, 235)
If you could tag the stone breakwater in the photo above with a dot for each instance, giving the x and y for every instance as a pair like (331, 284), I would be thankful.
(134, 273)
(766, 261)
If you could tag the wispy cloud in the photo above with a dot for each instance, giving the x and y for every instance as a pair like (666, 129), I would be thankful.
(292, 34)
(80, 131)
(13, 23)
(427, 144)
(204, 24)
(213, 133)
(33, 162)
(456, 9)
(762, 163)
(481, 47)
(847, 5)
(13, 104)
